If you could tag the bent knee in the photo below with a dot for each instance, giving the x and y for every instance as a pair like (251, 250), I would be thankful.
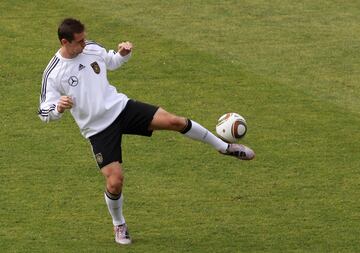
(115, 179)
(177, 123)
(115, 183)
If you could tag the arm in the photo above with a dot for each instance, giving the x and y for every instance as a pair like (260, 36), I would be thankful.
(52, 104)
(114, 59)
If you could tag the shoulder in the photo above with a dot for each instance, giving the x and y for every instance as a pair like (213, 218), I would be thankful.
(92, 46)
(93, 43)
(53, 64)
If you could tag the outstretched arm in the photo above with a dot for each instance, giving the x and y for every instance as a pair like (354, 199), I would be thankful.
(115, 59)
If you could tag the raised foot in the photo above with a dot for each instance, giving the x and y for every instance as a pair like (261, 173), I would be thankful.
(240, 151)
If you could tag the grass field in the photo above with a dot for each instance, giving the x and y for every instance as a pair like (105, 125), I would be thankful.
(291, 68)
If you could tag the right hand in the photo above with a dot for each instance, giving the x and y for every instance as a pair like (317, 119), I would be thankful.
(65, 102)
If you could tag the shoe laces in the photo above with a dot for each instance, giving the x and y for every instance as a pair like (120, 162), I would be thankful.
(239, 153)
(121, 231)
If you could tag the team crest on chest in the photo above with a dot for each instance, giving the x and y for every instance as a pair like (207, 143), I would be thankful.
(95, 66)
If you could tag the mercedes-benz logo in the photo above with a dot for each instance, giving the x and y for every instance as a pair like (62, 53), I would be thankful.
(73, 81)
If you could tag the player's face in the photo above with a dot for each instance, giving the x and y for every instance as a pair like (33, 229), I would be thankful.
(77, 45)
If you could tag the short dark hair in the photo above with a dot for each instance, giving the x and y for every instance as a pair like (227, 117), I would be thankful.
(68, 27)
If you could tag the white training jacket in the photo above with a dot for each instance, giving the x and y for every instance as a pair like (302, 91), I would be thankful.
(96, 102)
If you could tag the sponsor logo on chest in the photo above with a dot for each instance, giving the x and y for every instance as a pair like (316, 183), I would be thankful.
(73, 81)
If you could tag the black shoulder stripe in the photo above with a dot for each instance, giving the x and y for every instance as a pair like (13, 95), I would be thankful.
(90, 42)
(45, 78)
(50, 65)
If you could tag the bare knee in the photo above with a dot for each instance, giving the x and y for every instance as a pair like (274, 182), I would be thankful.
(114, 177)
(164, 120)
(177, 123)
(114, 183)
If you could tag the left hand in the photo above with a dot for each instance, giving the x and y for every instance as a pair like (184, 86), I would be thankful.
(124, 48)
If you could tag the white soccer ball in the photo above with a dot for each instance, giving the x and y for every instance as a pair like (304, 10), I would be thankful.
(231, 127)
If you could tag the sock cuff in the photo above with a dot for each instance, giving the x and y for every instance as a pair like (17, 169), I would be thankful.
(112, 196)
(187, 127)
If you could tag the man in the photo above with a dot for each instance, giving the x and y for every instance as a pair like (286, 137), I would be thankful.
(76, 80)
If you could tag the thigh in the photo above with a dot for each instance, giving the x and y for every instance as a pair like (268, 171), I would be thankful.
(106, 147)
(164, 120)
(136, 118)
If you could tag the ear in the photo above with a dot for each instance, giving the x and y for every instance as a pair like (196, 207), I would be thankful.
(64, 41)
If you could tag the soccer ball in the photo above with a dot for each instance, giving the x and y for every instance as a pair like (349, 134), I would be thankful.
(231, 127)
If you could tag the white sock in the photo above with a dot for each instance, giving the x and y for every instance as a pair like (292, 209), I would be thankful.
(198, 132)
(115, 209)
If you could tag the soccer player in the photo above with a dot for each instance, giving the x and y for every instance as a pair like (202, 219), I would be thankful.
(76, 80)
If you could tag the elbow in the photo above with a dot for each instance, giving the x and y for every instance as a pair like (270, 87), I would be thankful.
(112, 67)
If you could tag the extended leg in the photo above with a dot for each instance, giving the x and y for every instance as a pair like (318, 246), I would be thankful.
(164, 120)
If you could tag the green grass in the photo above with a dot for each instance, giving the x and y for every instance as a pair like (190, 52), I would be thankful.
(291, 68)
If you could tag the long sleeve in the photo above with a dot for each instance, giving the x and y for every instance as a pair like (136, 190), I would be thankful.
(48, 100)
(114, 60)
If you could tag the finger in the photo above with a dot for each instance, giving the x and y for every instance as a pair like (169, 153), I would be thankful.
(64, 98)
(125, 45)
(63, 105)
(128, 47)
(67, 99)
(66, 105)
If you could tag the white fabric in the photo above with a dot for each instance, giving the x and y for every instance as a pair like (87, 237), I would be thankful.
(96, 102)
(198, 132)
(115, 210)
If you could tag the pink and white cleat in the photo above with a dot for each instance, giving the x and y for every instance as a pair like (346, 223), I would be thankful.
(239, 151)
(122, 234)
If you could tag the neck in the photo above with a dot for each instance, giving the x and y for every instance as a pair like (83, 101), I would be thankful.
(64, 53)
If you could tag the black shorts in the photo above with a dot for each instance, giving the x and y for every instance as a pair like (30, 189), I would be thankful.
(134, 119)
